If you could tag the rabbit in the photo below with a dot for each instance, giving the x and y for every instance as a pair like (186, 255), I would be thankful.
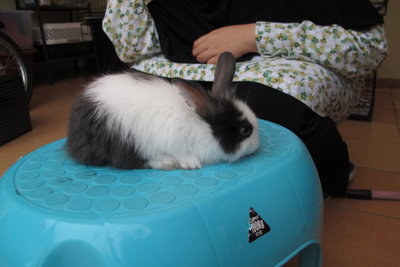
(136, 120)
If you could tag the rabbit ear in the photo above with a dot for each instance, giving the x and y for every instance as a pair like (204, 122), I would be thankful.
(195, 96)
(224, 73)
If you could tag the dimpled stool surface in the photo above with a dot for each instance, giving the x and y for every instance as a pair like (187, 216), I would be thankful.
(55, 212)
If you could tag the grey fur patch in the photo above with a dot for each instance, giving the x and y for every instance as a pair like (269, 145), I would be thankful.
(90, 141)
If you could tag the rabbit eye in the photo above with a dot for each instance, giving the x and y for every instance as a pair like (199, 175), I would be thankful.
(245, 130)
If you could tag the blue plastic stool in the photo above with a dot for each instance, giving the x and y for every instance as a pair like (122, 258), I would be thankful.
(260, 211)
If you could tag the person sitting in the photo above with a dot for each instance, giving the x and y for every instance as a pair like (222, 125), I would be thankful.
(300, 63)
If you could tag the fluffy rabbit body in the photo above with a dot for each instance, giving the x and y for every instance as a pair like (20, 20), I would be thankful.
(135, 120)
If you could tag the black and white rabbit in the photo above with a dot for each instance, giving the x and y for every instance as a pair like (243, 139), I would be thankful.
(135, 120)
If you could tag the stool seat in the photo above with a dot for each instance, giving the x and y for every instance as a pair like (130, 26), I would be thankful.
(263, 210)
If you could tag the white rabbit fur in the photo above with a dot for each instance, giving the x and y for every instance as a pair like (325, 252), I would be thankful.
(159, 121)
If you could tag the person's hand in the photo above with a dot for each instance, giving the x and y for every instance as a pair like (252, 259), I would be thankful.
(237, 39)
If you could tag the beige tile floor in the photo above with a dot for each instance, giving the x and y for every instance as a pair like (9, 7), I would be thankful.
(356, 232)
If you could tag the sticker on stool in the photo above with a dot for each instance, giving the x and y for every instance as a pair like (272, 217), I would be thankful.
(258, 227)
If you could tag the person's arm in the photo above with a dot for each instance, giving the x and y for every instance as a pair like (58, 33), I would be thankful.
(129, 26)
(348, 52)
(237, 39)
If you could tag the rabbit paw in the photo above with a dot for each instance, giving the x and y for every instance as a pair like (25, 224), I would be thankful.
(190, 162)
(164, 163)
(167, 162)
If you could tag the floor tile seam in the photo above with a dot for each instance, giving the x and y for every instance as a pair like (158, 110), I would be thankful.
(380, 140)
(397, 116)
(40, 131)
(372, 139)
(371, 124)
(360, 165)
(367, 168)
(369, 212)
(368, 125)
(368, 140)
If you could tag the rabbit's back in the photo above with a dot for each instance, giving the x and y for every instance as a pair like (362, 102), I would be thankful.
(142, 117)
(142, 106)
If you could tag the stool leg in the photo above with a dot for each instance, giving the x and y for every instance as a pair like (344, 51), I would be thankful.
(311, 256)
